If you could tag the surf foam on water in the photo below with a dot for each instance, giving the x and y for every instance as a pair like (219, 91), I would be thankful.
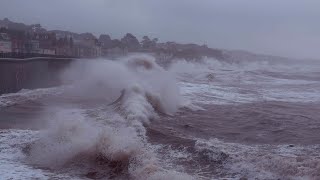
(264, 161)
(25, 95)
(12, 162)
(209, 81)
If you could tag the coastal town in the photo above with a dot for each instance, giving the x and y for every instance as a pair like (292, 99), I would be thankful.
(18, 40)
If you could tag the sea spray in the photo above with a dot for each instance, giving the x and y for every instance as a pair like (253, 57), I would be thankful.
(134, 90)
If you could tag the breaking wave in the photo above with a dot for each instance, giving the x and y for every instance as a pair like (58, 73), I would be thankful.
(133, 91)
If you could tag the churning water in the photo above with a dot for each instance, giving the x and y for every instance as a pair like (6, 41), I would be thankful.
(133, 119)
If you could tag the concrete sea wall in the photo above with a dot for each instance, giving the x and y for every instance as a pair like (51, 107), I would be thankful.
(41, 72)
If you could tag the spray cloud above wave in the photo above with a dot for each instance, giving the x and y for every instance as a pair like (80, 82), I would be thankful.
(138, 74)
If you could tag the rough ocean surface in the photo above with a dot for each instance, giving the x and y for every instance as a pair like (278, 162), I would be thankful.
(133, 119)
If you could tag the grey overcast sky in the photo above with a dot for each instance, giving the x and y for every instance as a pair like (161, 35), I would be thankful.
(279, 27)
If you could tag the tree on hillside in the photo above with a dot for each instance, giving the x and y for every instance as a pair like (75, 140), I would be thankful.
(146, 43)
(130, 42)
(105, 40)
(154, 42)
(116, 43)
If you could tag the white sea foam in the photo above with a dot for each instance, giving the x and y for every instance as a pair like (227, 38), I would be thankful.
(213, 82)
(12, 163)
(265, 161)
(27, 95)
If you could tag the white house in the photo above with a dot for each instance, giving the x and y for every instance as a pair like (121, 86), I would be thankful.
(5, 43)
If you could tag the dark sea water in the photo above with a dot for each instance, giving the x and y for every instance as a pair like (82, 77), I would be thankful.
(133, 119)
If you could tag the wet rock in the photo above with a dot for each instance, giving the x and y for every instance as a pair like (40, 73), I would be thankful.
(213, 155)
(210, 77)
(170, 128)
(291, 145)
(117, 167)
(222, 157)
(92, 175)
(26, 149)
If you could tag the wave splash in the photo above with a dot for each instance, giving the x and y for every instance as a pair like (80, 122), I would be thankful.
(133, 90)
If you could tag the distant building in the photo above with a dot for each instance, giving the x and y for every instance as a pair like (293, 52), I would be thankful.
(116, 51)
(5, 43)
(3, 26)
(97, 51)
(97, 48)
(104, 51)
(87, 48)
(64, 46)
(18, 40)
(47, 51)
(47, 43)
(32, 46)
(18, 45)
(64, 51)
(82, 50)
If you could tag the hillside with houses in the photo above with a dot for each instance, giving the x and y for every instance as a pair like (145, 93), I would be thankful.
(18, 39)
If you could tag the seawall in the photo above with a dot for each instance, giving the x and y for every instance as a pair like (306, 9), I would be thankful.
(31, 73)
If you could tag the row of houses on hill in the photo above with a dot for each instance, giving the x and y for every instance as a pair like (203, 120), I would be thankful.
(47, 43)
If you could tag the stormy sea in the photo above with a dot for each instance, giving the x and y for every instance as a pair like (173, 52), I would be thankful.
(137, 117)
